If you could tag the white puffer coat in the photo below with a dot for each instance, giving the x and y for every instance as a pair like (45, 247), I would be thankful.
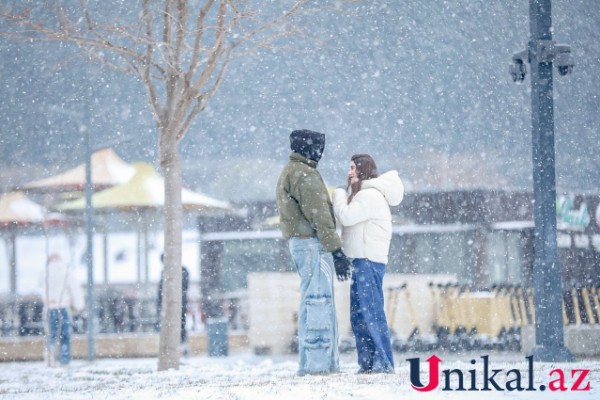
(64, 291)
(367, 222)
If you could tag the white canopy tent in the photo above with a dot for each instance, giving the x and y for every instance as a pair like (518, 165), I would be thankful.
(143, 197)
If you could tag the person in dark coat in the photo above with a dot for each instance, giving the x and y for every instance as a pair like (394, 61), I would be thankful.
(185, 279)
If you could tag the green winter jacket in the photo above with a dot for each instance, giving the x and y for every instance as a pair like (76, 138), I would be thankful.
(305, 208)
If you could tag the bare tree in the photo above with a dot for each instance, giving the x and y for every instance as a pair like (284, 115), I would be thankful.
(180, 51)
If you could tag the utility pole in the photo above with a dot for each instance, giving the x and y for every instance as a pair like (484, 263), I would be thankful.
(542, 54)
(89, 223)
(89, 254)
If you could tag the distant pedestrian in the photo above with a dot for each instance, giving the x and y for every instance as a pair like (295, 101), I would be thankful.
(363, 210)
(62, 293)
(185, 282)
(307, 222)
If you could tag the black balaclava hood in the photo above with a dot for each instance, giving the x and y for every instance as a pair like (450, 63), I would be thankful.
(308, 143)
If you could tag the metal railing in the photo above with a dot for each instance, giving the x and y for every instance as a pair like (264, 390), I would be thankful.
(118, 309)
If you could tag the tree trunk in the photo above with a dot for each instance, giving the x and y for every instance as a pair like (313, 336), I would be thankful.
(170, 329)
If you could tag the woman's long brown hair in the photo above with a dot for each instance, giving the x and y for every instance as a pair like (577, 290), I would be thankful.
(365, 169)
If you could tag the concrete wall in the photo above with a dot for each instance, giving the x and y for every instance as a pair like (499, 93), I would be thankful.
(107, 346)
(581, 340)
(274, 299)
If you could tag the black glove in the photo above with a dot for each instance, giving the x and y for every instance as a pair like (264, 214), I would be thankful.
(343, 266)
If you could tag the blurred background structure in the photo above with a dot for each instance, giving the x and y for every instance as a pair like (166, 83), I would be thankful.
(420, 85)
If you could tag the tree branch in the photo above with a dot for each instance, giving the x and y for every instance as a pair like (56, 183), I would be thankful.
(198, 33)
(214, 53)
(202, 100)
(145, 65)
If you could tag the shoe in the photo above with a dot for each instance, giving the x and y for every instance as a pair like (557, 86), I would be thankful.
(382, 371)
(318, 373)
(185, 350)
(50, 356)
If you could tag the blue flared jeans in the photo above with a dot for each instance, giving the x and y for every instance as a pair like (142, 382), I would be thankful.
(367, 317)
(60, 330)
(317, 322)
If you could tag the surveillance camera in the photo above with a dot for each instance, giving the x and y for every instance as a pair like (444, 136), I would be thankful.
(563, 60)
(517, 71)
(566, 70)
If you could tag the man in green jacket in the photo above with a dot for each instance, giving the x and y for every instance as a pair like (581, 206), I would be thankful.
(307, 222)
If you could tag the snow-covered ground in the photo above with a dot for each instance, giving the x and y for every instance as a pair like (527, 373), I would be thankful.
(246, 376)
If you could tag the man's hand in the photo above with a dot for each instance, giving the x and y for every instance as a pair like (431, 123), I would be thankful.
(343, 266)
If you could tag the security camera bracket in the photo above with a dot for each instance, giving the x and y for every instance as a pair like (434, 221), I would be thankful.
(544, 51)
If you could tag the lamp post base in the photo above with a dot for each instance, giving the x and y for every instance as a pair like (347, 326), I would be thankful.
(552, 354)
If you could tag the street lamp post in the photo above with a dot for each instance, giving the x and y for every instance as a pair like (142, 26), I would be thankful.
(541, 54)
(89, 212)
(89, 254)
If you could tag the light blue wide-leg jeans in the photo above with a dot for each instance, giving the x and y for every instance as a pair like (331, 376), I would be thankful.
(60, 331)
(317, 322)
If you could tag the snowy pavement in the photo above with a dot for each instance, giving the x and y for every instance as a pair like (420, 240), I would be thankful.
(246, 376)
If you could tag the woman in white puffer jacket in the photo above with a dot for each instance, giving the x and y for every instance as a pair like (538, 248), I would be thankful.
(363, 211)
